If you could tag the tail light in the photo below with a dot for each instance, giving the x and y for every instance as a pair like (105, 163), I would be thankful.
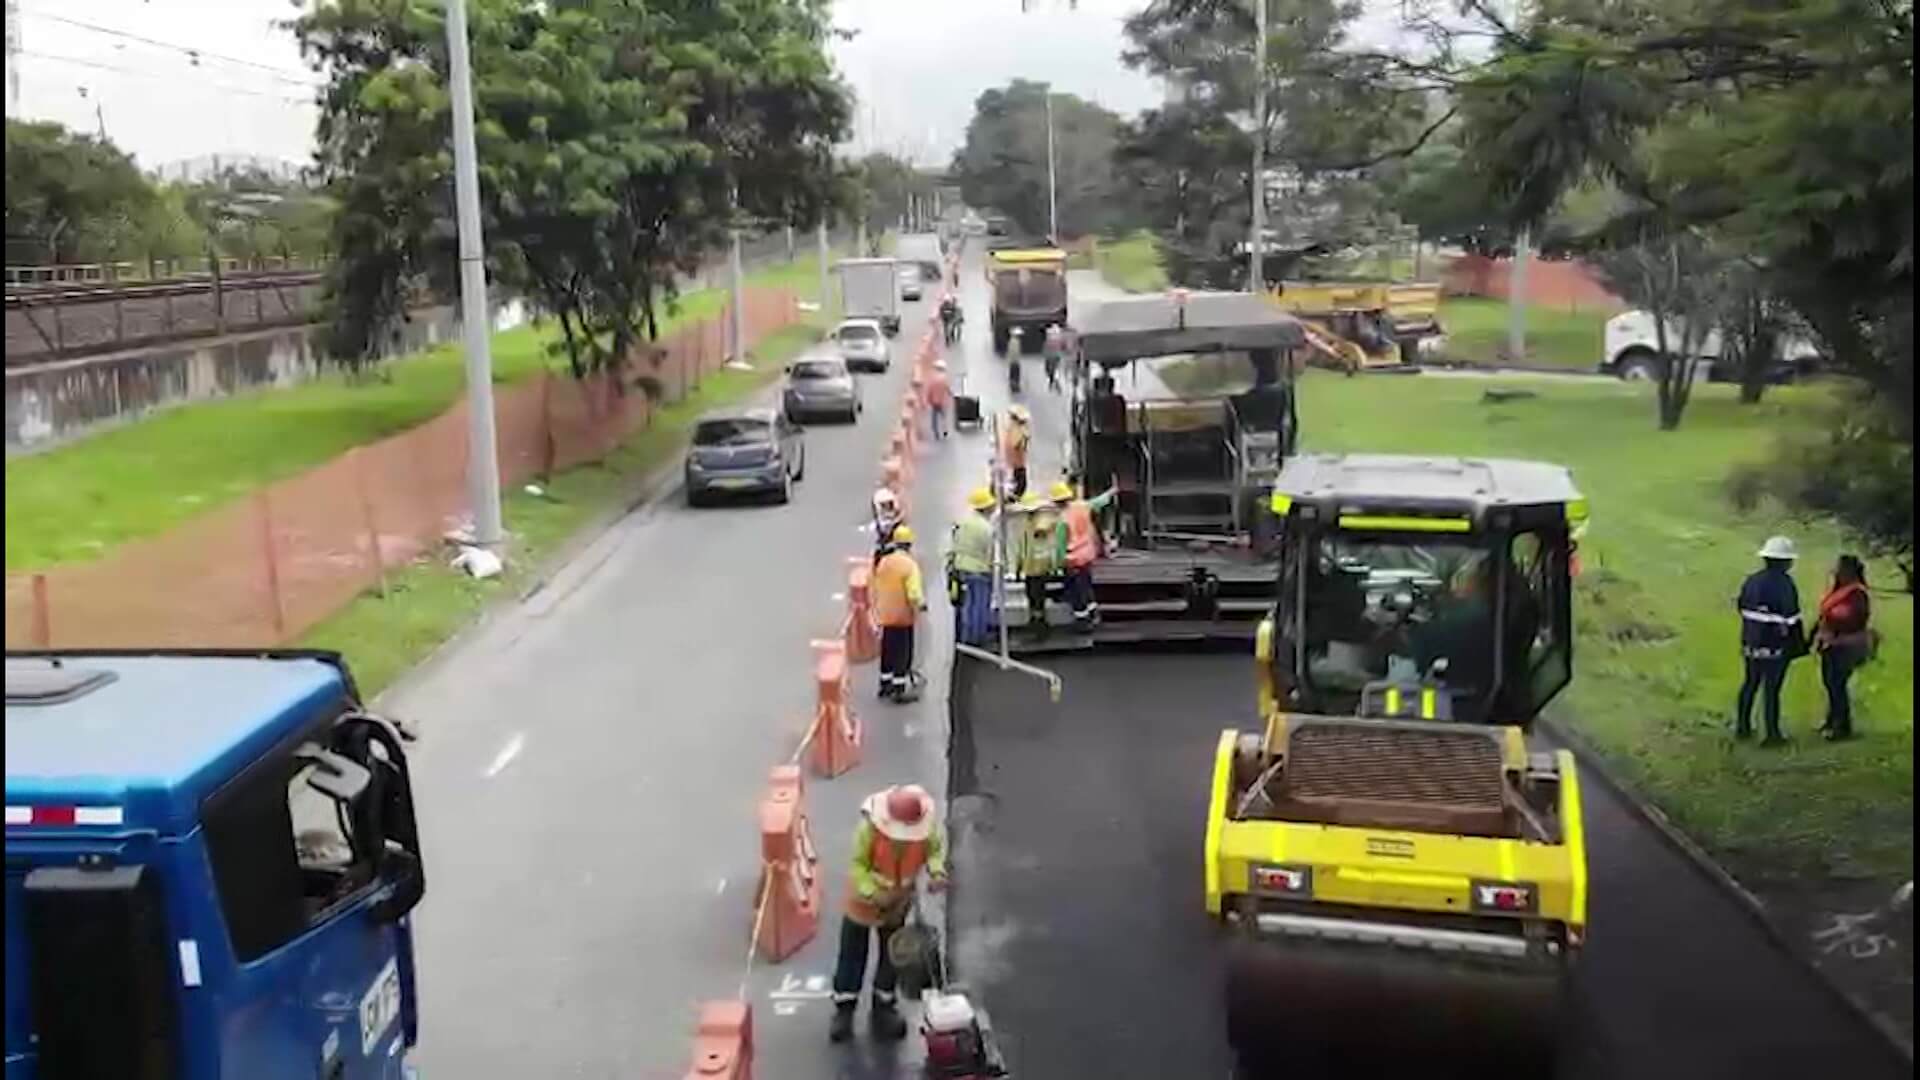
(1281, 880)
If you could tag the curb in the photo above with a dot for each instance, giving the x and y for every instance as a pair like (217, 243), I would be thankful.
(1595, 763)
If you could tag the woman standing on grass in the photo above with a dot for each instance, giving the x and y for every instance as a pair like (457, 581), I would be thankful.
(1843, 641)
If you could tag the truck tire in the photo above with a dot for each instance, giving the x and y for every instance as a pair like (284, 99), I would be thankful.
(1637, 365)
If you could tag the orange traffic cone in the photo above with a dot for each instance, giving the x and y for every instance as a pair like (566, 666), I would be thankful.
(834, 746)
(863, 637)
(789, 888)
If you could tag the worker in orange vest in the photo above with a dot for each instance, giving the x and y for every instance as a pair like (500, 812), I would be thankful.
(896, 839)
(1015, 438)
(1077, 521)
(898, 600)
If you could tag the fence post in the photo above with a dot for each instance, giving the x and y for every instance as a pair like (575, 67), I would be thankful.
(359, 466)
(270, 559)
(42, 614)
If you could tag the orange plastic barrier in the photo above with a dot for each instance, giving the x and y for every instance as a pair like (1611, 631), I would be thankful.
(835, 745)
(723, 1042)
(863, 637)
(789, 869)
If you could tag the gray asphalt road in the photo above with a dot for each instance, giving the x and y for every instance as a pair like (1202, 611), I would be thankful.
(590, 771)
(1078, 913)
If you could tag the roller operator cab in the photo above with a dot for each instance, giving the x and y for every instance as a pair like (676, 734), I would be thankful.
(211, 858)
(1389, 837)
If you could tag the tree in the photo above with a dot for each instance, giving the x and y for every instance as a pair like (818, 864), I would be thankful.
(618, 142)
(1677, 279)
(1003, 163)
(70, 197)
(883, 184)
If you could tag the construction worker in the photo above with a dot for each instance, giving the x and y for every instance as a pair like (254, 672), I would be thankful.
(1041, 554)
(1015, 438)
(939, 399)
(1053, 348)
(1080, 545)
(897, 837)
(898, 600)
(1771, 637)
(970, 561)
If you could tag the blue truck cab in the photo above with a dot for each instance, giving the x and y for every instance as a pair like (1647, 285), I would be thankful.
(211, 858)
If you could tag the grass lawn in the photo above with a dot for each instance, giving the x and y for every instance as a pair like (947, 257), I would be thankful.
(1132, 264)
(76, 502)
(1477, 334)
(1656, 657)
(427, 603)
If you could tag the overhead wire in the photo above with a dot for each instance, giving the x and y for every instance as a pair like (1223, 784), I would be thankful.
(168, 77)
(195, 53)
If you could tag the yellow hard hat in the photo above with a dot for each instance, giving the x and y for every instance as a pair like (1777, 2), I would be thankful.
(903, 534)
(980, 499)
(1061, 491)
(1031, 501)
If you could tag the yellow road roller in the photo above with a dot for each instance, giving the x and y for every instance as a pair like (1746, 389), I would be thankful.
(1402, 870)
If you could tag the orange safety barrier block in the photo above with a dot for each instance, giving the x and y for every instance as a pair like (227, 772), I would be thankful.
(835, 746)
(723, 1042)
(863, 635)
(789, 869)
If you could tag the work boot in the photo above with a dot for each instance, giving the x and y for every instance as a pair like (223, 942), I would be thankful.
(888, 1024)
(841, 1029)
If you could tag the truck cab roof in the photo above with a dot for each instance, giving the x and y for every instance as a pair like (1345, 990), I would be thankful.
(138, 741)
(1166, 324)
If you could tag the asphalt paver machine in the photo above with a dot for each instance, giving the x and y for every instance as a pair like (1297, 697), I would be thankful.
(1188, 539)
(1397, 865)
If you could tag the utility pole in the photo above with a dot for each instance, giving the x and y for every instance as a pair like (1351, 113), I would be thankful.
(483, 459)
(820, 242)
(1257, 243)
(1517, 297)
(739, 289)
(1053, 205)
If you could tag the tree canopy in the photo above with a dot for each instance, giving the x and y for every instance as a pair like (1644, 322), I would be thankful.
(1003, 163)
(618, 141)
(70, 197)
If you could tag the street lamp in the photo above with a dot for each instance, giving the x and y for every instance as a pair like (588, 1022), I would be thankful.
(1256, 244)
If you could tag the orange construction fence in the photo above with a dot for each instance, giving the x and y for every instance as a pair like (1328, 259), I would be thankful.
(863, 636)
(787, 911)
(263, 569)
(723, 1042)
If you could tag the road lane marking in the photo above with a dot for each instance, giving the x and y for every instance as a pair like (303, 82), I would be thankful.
(506, 755)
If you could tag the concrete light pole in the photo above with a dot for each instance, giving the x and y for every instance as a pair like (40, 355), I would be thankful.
(483, 459)
(1517, 297)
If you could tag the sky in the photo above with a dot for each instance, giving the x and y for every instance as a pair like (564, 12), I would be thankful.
(178, 79)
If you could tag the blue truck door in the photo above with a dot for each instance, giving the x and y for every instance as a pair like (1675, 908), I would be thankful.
(322, 978)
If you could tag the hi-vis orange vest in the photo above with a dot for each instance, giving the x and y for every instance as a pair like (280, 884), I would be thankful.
(898, 862)
(896, 590)
(1013, 445)
(1083, 539)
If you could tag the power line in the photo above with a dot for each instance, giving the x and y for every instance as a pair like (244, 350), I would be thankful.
(166, 77)
(195, 53)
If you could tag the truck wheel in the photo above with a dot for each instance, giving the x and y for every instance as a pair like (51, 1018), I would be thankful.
(1637, 365)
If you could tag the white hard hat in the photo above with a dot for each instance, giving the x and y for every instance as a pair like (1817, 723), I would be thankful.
(1778, 547)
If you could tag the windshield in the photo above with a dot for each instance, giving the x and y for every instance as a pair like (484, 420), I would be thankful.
(1380, 609)
(819, 369)
(738, 431)
(859, 334)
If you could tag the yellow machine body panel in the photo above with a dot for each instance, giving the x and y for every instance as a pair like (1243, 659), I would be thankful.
(1017, 258)
(1396, 869)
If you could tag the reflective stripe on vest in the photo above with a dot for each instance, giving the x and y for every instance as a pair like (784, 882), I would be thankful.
(1083, 540)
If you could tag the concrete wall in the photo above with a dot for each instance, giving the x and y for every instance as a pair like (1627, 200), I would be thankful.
(48, 404)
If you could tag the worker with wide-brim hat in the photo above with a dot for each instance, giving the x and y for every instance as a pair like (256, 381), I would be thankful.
(899, 836)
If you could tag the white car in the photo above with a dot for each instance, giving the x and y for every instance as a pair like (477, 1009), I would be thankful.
(910, 282)
(1631, 350)
(863, 345)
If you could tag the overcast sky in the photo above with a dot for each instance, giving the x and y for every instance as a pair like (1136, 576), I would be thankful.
(176, 79)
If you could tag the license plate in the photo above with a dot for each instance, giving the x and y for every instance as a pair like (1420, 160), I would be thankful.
(379, 1007)
(733, 484)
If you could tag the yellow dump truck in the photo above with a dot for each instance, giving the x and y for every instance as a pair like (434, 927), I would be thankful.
(1359, 326)
(1028, 287)
(1392, 856)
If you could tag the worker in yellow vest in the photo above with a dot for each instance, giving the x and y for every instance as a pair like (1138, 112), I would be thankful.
(970, 562)
(896, 839)
(898, 600)
(1015, 439)
(1040, 554)
(1080, 541)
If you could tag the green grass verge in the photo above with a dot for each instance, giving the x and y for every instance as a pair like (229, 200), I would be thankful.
(426, 603)
(1656, 657)
(77, 502)
(1476, 331)
(1131, 263)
